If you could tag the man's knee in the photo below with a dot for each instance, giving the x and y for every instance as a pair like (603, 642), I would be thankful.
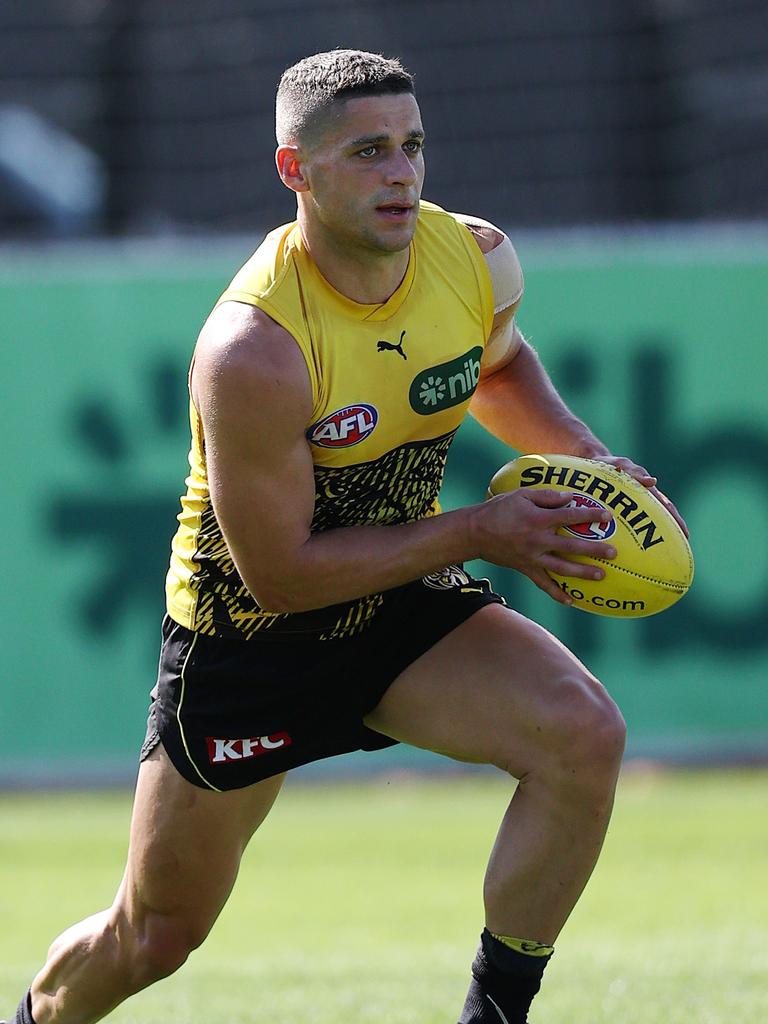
(593, 729)
(161, 946)
(579, 736)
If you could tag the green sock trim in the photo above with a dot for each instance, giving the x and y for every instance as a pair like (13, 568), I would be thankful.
(527, 946)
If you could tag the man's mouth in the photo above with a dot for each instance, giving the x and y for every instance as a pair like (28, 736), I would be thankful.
(395, 209)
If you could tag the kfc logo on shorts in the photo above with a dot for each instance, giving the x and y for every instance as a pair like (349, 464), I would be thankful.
(227, 751)
(345, 427)
(590, 531)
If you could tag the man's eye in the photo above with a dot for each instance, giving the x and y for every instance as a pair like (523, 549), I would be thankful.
(414, 146)
(367, 152)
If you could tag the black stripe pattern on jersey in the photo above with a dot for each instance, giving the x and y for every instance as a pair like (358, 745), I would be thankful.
(400, 486)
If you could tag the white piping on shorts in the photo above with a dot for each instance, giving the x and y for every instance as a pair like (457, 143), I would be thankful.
(178, 717)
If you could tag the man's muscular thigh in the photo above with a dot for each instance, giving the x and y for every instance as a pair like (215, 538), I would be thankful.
(498, 689)
(186, 842)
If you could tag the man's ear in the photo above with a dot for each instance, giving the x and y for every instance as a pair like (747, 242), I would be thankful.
(288, 160)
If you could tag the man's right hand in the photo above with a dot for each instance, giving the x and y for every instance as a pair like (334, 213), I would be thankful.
(519, 530)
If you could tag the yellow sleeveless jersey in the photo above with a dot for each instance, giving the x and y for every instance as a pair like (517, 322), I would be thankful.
(391, 383)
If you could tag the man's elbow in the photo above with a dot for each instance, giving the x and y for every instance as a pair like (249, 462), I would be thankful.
(281, 595)
(275, 597)
(274, 603)
(278, 584)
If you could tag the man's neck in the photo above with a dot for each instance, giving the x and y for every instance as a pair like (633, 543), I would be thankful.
(363, 275)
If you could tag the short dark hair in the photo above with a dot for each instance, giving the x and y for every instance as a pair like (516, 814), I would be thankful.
(308, 88)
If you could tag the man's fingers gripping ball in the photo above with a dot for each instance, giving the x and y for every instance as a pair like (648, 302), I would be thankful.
(565, 511)
(641, 474)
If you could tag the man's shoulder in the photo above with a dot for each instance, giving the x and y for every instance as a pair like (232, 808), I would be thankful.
(499, 255)
(244, 357)
(267, 265)
(243, 341)
(269, 279)
(435, 218)
(487, 236)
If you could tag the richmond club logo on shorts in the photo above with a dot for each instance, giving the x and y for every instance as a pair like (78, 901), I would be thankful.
(446, 579)
(227, 751)
(590, 531)
(345, 427)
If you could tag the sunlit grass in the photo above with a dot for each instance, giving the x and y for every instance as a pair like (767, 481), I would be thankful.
(361, 903)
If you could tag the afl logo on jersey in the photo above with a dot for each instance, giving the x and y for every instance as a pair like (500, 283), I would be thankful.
(345, 427)
(590, 531)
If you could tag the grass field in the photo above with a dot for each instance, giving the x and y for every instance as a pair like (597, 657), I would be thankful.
(360, 903)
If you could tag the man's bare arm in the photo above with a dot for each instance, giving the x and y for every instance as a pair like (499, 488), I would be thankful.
(519, 404)
(252, 389)
(515, 399)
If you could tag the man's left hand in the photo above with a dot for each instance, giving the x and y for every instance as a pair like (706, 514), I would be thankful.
(641, 474)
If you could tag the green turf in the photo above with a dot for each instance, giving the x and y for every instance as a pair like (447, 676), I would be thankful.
(360, 903)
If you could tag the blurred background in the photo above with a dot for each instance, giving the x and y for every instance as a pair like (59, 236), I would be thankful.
(624, 148)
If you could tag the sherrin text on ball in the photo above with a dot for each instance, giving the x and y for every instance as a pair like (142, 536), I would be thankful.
(653, 567)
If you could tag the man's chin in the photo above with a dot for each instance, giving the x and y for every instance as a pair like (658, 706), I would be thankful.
(394, 239)
(395, 227)
(391, 245)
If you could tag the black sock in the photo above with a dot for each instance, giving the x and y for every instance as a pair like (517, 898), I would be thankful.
(24, 1012)
(503, 984)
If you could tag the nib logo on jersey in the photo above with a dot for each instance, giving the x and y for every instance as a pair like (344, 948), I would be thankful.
(344, 427)
(440, 387)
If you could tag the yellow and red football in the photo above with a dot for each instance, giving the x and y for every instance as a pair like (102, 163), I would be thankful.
(653, 567)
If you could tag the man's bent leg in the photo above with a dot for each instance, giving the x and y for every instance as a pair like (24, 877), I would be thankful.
(185, 850)
(501, 690)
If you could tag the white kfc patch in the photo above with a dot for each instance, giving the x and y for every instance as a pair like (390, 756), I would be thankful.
(223, 751)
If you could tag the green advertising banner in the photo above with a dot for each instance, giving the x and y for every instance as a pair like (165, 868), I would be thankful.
(664, 352)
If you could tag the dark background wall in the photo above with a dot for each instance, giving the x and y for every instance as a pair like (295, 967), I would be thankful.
(545, 113)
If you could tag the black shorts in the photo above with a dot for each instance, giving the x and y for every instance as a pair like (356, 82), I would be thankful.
(231, 712)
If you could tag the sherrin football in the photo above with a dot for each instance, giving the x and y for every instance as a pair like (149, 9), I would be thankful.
(653, 567)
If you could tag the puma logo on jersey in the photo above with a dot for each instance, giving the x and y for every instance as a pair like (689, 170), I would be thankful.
(383, 346)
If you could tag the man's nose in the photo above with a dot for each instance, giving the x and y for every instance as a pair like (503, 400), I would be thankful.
(400, 169)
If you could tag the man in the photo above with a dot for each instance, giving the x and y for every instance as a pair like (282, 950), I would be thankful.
(317, 603)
